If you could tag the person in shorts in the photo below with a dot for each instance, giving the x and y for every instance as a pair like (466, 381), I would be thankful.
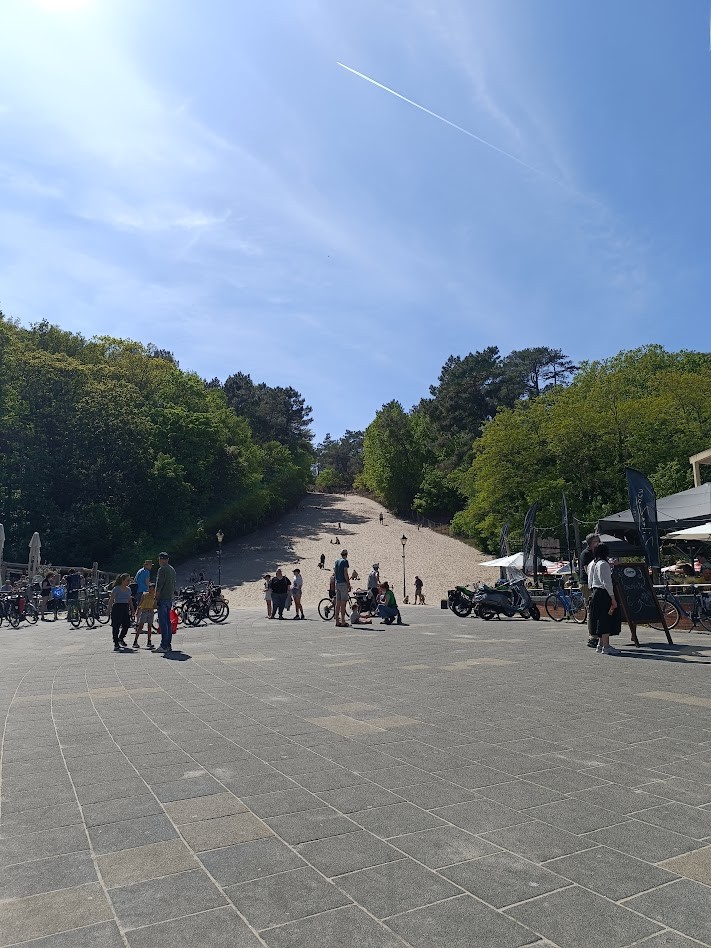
(343, 588)
(297, 588)
(144, 614)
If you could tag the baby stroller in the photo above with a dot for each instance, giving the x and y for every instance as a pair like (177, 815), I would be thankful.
(367, 600)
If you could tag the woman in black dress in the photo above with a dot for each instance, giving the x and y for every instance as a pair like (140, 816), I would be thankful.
(605, 617)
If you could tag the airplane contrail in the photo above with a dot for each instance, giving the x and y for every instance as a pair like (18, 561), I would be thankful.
(441, 118)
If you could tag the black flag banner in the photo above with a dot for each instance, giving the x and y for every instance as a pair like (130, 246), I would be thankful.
(504, 541)
(643, 504)
(564, 520)
(529, 525)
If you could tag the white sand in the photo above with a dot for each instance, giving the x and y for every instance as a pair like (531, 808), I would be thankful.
(299, 538)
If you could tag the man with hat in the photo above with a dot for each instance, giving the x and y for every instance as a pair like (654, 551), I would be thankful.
(343, 587)
(142, 580)
(165, 594)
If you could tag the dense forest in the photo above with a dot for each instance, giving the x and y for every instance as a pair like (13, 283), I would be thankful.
(500, 432)
(110, 450)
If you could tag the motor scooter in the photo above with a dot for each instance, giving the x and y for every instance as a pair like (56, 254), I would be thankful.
(508, 599)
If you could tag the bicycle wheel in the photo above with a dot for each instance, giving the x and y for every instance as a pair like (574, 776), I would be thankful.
(101, 613)
(326, 609)
(579, 610)
(13, 617)
(555, 608)
(218, 611)
(31, 613)
(671, 613)
(89, 618)
(73, 616)
(703, 620)
(194, 614)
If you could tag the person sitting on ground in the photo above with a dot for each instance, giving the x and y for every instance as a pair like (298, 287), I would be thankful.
(144, 613)
(354, 575)
(358, 617)
(387, 608)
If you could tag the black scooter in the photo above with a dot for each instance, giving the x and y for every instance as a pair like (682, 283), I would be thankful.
(508, 599)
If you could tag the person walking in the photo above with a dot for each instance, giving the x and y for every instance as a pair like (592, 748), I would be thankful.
(387, 608)
(381, 519)
(374, 584)
(296, 591)
(343, 587)
(268, 594)
(419, 598)
(165, 594)
(322, 561)
(144, 613)
(587, 555)
(121, 611)
(46, 593)
(142, 580)
(280, 590)
(604, 612)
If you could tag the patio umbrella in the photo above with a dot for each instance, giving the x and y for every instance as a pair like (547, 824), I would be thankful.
(514, 561)
(700, 533)
(35, 555)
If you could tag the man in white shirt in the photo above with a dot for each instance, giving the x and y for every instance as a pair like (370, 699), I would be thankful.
(296, 590)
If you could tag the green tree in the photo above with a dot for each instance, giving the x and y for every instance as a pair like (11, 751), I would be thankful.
(393, 459)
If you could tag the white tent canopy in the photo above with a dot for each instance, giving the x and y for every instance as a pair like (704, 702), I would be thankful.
(700, 533)
(515, 561)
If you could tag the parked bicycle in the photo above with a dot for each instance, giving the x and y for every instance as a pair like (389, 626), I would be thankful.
(566, 604)
(17, 608)
(193, 606)
(673, 610)
(81, 610)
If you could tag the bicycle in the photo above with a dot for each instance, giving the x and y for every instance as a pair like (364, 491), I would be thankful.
(673, 610)
(327, 607)
(18, 608)
(563, 604)
(79, 610)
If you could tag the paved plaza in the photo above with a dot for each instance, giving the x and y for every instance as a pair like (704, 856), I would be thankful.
(453, 783)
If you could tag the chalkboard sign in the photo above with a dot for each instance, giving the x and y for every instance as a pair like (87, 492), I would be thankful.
(635, 595)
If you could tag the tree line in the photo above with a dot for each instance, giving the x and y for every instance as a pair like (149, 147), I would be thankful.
(500, 432)
(110, 450)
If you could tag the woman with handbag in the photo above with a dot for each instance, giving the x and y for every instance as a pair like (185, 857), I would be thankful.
(605, 617)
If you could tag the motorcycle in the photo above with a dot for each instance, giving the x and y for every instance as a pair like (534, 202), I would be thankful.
(507, 599)
(461, 600)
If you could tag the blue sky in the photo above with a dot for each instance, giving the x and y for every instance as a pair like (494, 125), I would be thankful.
(205, 177)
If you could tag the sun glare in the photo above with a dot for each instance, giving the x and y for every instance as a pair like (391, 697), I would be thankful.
(62, 6)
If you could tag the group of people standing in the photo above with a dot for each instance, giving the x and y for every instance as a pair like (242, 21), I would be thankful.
(138, 606)
(280, 592)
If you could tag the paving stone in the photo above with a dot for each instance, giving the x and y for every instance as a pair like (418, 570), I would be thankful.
(610, 873)
(684, 906)
(473, 776)
(443, 846)
(158, 900)
(32, 821)
(310, 825)
(103, 935)
(187, 788)
(251, 860)
(52, 912)
(45, 875)
(575, 816)
(204, 808)
(223, 831)
(115, 811)
(623, 800)
(503, 878)
(284, 897)
(145, 862)
(683, 790)
(687, 820)
(395, 887)
(348, 927)
(110, 837)
(460, 923)
(435, 793)
(16, 801)
(481, 816)
(567, 781)
(695, 865)
(282, 802)
(538, 841)
(353, 799)
(218, 928)
(259, 783)
(119, 790)
(519, 794)
(56, 842)
(650, 843)
(669, 940)
(338, 854)
(575, 918)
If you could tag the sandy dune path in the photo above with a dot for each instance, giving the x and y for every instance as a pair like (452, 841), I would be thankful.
(299, 538)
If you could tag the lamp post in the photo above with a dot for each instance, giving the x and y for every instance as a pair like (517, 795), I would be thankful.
(403, 540)
(220, 537)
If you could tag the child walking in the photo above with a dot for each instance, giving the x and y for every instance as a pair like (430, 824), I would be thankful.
(144, 613)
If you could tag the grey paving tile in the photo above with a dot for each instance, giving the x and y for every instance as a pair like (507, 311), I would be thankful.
(395, 887)
(223, 831)
(435, 793)
(52, 912)
(481, 816)
(443, 846)
(519, 794)
(353, 799)
(251, 860)
(110, 837)
(685, 791)
(204, 808)
(32, 821)
(473, 776)
(567, 781)
(627, 776)
(402, 775)
(503, 878)
(338, 854)
(128, 866)
(284, 897)
(539, 841)
(120, 790)
(575, 918)
(115, 811)
(258, 783)
(610, 873)
(15, 801)
(619, 799)
(158, 900)
(695, 865)
(396, 820)
(687, 820)
(684, 906)
(187, 788)
(347, 927)
(218, 928)
(103, 935)
(310, 825)
(669, 939)
(575, 816)
(56, 842)
(650, 843)
(460, 923)
(45, 875)
(282, 802)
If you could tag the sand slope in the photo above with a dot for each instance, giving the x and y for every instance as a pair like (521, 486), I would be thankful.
(299, 538)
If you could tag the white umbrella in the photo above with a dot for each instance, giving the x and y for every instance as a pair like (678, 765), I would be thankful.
(700, 533)
(35, 555)
(515, 560)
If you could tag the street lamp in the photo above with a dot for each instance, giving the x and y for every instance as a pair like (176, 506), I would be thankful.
(220, 538)
(403, 540)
